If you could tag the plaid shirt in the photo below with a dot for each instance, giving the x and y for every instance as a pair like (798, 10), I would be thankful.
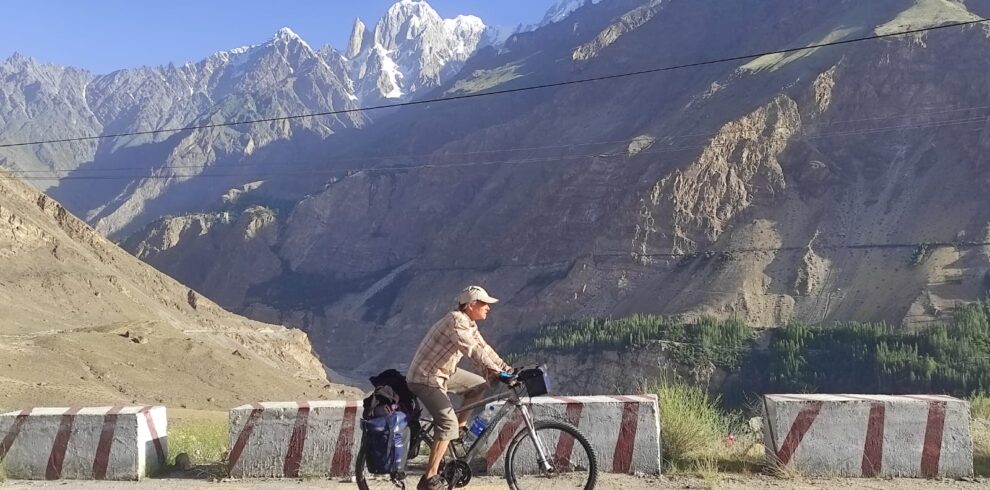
(451, 338)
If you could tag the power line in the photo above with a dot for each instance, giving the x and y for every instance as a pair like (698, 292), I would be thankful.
(655, 141)
(326, 169)
(504, 91)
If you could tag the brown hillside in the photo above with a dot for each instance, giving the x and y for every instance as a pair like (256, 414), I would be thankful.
(84, 323)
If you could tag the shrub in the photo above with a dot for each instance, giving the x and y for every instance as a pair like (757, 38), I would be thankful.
(980, 407)
(205, 441)
(692, 426)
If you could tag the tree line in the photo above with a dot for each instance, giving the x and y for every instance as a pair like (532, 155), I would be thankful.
(950, 357)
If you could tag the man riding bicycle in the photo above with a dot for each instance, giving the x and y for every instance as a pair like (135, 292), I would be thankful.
(433, 373)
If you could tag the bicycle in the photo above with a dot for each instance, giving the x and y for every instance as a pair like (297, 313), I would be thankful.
(545, 453)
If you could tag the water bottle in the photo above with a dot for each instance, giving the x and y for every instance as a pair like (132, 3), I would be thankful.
(478, 425)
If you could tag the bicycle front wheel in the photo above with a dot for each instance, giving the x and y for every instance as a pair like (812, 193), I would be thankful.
(573, 464)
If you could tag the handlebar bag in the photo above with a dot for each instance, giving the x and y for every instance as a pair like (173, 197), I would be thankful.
(536, 381)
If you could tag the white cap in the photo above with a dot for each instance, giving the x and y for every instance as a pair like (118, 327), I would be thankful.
(474, 293)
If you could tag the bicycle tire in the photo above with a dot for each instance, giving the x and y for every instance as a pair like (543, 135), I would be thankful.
(366, 480)
(360, 474)
(589, 461)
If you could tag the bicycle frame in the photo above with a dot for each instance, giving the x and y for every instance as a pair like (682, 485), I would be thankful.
(512, 402)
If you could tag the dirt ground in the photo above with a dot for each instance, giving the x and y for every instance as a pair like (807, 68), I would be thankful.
(608, 482)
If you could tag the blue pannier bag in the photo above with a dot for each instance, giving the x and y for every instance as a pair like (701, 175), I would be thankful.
(384, 442)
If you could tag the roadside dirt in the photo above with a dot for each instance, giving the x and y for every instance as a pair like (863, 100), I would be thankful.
(608, 482)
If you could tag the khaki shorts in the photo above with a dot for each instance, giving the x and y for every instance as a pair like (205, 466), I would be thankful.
(438, 403)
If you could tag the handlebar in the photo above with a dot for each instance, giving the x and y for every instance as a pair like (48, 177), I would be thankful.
(510, 378)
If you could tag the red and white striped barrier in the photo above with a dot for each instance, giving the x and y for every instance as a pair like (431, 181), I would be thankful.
(95, 443)
(624, 431)
(294, 439)
(924, 436)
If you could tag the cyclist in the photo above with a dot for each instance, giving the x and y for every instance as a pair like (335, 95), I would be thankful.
(433, 373)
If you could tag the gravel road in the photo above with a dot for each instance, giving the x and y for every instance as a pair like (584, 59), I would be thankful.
(608, 482)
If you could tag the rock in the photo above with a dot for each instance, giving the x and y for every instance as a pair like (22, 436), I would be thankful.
(140, 340)
(183, 462)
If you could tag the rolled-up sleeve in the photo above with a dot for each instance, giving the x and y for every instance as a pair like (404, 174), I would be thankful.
(471, 344)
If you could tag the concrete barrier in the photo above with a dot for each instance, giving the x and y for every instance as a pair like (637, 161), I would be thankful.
(624, 431)
(95, 443)
(924, 436)
(294, 439)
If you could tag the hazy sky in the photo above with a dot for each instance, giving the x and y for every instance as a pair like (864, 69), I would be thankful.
(106, 35)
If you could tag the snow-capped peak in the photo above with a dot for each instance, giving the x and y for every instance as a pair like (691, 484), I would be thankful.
(562, 9)
(411, 47)
(464, 23)
(464, 33)
(287, 35)
(405, 9)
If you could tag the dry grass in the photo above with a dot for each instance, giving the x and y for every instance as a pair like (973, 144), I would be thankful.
(203, 438)
(701, 439)
(980, 407)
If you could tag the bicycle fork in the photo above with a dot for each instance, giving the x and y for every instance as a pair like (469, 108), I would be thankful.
(540, 450)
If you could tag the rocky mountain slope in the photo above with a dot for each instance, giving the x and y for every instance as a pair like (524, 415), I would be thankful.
(119, 184)
(86, 323)
(829, 184)
(155, 174)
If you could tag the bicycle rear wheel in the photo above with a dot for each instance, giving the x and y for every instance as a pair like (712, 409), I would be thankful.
(572, 460)
(367, 481)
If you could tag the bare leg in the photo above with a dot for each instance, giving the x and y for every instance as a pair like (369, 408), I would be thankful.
(437, 450)
(472, 396)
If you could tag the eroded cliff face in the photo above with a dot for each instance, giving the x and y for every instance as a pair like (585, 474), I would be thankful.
(791, 187)
(740, 161)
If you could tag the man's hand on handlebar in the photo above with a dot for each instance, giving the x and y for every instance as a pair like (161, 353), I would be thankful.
(508, 377)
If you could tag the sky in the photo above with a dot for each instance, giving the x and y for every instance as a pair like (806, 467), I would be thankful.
(107, 35)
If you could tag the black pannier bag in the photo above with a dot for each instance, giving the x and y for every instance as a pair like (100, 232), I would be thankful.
(536, 381)
(395, 380)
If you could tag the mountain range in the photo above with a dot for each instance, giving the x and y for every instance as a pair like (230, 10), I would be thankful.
(410, 49)
(838, 183)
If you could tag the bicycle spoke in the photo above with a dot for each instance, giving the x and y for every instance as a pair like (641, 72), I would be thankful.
(571, 464)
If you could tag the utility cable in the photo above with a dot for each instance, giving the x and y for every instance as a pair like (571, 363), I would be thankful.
(327, 169)
(505, 91)
(655, 141)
